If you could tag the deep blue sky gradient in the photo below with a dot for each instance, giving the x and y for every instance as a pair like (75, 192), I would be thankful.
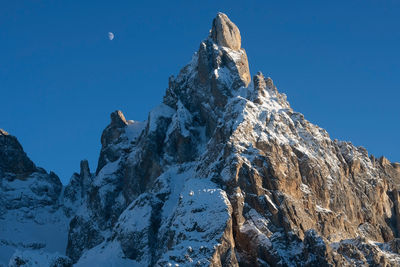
(60, 77)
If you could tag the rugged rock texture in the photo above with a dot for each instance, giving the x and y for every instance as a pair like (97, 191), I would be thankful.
(27, 258)
(110, 135)
(30, 214)
(225, 33)
(13, 158)
(225, 173)
(77, 190)
(17, 171)
(103, 196)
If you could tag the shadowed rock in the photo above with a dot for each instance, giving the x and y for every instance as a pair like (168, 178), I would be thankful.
(112, 132)
(110, 135)
(229, 168)
(85, 171)
(13, 159)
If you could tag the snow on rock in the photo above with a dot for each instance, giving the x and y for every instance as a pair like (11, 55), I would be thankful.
(33, 258)
(106, 254)
(161, 225)
(134, 129)
(32, 219)
(161, 111)
(194, 225)
(223, 173)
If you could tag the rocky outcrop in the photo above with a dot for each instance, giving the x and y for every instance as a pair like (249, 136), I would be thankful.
(77, 189)
(109, 136)
(225, 33)
(275, 189)
(32, 222)
(225, 173)
(13, 158)
(22, 183)
(102, 196)
(31, 258)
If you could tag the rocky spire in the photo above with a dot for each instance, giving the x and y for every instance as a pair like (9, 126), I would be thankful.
(2, 132)
(110, 135)
(225, 33)
(85, 171)
(113, 131)
(13, 159)
(118, 119)
(85, 177)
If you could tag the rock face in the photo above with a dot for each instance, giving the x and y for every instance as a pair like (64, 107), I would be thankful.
(109, 136)
(16, 171)
(225, 173)
(77, 189)
(225, 33)
(13, 158)
(30, 214)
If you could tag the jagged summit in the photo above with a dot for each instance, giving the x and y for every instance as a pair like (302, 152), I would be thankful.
(225, 33)
(222, 173)
(2, 132)
(84, 168)
(13, 159)
(30, 213)
(118, 119)
(112, 131)
(215, 74)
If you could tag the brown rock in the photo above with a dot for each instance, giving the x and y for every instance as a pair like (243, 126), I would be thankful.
(225, 33)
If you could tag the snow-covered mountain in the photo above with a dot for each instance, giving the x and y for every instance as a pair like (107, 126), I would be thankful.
(222, 173)
(31, 214)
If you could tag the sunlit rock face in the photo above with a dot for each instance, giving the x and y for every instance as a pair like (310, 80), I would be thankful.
(225, 33)
(225, 173)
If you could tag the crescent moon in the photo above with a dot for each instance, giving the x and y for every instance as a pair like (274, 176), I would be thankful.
(110, 36)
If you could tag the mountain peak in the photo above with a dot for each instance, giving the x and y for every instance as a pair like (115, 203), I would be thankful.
(2, 132)
(225, 33)
(223, 173)
(113, 130)
(118, 119)
(13, 159)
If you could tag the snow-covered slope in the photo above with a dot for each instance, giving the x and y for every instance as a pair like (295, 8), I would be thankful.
(225, 173)
(31, 220)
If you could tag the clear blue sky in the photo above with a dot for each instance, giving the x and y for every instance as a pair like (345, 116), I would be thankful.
(60, 76)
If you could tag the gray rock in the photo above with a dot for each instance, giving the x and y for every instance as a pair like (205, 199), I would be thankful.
(113, 131)
(225, 173)
(39, 258)
(109, 136)
(13, 159)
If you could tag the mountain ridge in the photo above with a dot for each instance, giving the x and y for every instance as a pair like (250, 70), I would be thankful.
(225, 173)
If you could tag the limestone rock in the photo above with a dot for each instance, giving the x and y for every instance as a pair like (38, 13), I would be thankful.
(223, 173)
(225, 33)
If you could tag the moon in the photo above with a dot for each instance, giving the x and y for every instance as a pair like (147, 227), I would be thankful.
(110, 36)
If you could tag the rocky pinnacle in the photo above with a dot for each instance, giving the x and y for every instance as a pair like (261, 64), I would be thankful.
(223, 173)
(225, 33)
